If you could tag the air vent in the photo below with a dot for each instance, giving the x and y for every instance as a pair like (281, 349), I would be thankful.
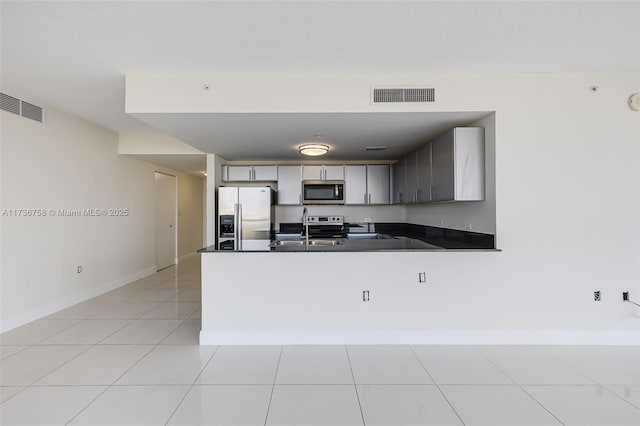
(9, 104)
(403, 95)
(375, 148)
(31, 111)
(17, 106)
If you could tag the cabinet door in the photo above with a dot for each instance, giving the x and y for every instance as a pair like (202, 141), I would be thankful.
(265, 173)
(355, 183)
(442, 168)
(412, 178)
(423, 173)
(378, 184)
(334, 172)
(469, 163)
(312, 173)
(239, 173)
(400, 181)
(290, 185)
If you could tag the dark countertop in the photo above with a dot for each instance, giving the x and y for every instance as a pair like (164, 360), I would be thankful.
(406, 237)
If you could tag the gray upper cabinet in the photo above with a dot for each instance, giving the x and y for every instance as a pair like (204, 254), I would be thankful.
(400, 182)
(412, 178)
(333, 172)
(290, 185)
(355, 183)
(458, 169)
(265, 173)
(378, 184)
(367, 184)
(242, 173)
(423, 174)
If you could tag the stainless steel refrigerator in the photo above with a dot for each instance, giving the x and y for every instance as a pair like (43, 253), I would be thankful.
(245, 218)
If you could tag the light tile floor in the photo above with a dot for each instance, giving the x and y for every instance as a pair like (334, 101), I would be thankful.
(131, 356)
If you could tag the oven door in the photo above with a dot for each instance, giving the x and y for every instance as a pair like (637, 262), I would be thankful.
(322, 192)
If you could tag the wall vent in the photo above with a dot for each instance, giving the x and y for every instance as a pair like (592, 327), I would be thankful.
(403, 95)
(31, 111)
(9, 104)
(20, 107)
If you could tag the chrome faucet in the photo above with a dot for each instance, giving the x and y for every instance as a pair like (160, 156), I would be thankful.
(305, 222)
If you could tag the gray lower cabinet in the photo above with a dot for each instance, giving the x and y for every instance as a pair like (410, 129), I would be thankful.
(367, 184)
(290, 185)
(457, 165)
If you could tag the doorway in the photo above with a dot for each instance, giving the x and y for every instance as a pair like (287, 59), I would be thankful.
(166, 224)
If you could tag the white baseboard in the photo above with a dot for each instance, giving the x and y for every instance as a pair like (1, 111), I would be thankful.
(187, 256)
(426, 337)
(58, 305)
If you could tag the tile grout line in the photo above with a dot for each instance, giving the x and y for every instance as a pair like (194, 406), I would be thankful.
(192, 385)
(436, 384)
(134, 364)
(520, 386)
(119, 377)
(355, 386)
(606, 387)
(275, 378)
(90, 346)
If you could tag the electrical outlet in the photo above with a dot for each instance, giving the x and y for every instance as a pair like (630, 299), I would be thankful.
(365, 295)
(596, 295)
(79, 269)
(422, 277)
(367, 219)
(625, 296)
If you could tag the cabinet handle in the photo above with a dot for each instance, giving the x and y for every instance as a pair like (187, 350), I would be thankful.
(300, 199)
(254, 174)
(250, 174)
(369, 198)
(365, 198)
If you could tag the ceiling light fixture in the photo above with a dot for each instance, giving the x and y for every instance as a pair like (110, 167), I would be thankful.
(313, 149)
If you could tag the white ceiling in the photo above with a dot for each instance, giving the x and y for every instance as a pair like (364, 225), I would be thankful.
(276, 136)
(75, 54)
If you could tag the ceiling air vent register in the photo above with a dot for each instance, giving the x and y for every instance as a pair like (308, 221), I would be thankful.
(403, 95)
(9, 104)
(20, 107)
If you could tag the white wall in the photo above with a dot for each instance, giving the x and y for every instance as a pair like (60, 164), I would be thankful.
(69, 163)
(152, 142)
(567, 180)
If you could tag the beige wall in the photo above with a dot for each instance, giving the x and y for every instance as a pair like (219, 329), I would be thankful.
(69, 163)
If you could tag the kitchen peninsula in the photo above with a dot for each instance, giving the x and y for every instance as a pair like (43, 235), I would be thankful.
(367, 290)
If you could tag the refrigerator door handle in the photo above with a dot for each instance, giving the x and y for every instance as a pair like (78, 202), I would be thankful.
(239, 239)
(236, 226)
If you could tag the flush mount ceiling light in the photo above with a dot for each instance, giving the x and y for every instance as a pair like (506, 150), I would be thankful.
(313, 149)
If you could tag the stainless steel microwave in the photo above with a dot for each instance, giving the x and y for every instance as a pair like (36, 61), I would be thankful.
(322, 192)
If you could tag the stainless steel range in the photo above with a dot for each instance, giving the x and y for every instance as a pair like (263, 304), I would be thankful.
(325, 226)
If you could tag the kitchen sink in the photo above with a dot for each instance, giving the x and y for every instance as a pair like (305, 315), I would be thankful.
(369, 236)
(312, 242)
(326, 242)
